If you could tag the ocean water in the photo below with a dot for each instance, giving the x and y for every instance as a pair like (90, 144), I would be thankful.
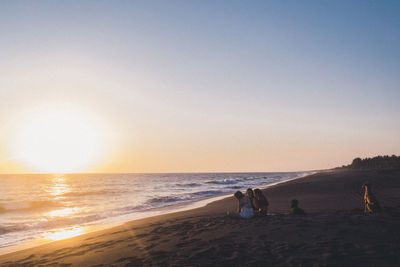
(52, 207)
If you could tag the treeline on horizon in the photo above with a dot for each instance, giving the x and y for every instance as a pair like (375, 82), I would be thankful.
(379, 162)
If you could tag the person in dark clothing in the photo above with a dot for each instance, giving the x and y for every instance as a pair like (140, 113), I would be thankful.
(260, 202)
(294, 209)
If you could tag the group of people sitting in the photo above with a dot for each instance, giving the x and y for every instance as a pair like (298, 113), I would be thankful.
(254, 202)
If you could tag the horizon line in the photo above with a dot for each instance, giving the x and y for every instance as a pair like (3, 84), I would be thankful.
(188, 172)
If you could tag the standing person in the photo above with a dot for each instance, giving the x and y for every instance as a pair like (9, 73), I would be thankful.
(260, 202)
(244, 207)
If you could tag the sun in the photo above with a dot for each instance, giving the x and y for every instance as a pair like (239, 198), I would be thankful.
(59, 139)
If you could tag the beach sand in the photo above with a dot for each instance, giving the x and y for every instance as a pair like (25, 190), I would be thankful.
(333, 232)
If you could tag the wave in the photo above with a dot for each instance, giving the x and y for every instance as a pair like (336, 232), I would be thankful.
(208, 193)
(94, 192)
(166, 199)
(225, 181)
(27, 206)
(234, 180)
(185, 197)
(51, 224)
(235, 187)
(9, 229)
(129, 209)
(188, 185)
(65, 221)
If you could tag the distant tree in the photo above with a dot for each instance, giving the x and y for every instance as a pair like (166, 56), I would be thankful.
(356, 163)
(378, 162)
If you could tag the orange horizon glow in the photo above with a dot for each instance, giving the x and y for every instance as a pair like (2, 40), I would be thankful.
(66, 138)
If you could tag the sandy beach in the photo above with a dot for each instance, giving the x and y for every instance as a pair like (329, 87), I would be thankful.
(127, 129)
(334, 231)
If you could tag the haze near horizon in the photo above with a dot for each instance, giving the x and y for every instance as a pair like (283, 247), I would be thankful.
(197, 86)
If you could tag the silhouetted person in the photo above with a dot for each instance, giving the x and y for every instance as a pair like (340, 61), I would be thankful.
(294, 209)
(260, 202)
(371, 205)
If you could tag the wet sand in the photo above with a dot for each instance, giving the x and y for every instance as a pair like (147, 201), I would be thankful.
(334, 231)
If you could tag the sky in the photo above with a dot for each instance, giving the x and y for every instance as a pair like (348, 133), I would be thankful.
(202, 86)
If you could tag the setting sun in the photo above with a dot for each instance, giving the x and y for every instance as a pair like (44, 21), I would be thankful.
(59, 139)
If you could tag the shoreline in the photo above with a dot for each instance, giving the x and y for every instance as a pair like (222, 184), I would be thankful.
(334, 232)
(115, 222)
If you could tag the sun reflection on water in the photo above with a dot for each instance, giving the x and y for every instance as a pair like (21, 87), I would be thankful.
(59, 186)
(64, 233)
(62, 212)
(56, 189)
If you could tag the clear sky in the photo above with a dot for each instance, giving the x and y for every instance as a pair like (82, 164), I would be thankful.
(203, 85)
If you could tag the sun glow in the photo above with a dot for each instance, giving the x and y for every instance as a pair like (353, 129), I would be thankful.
(59, 139)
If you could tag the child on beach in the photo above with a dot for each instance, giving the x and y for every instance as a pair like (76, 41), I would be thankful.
(244, 207)
(260, 202)
(294, 209)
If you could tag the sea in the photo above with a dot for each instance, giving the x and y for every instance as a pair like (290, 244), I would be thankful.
(48, 207)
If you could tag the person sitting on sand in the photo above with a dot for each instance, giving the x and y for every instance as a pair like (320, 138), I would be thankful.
(371, 205)
(260, 202)
(244, 208)
(294, 209)
(250, 194)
